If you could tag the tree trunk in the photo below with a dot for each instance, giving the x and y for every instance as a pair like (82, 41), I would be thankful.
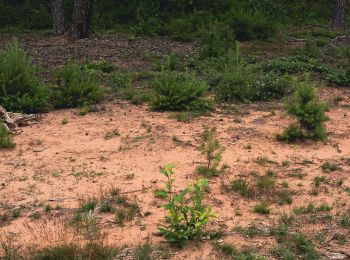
(82, 17)
(339, 15)
(57, 16)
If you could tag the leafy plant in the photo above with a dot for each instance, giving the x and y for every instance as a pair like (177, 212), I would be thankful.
(75, 88)
(5, 137)
(310, 114)
(212, 150)
(20, 90)
(187, 215)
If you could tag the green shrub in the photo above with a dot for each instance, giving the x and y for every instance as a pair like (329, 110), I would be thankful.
(6, 141)
(20, 90)
(104, 66)
(243, 84)
(216, 40)
(121, 80)
(249, 24)
(212, 150)
(179, 93)
(330, 167)
(187, 215)
(310, 114)
(75, 88)
(295, 65)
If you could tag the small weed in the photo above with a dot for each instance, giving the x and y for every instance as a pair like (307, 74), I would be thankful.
(330, 167)
(324, 207)
(6, 140)
(112, 134)
(64, 121)
(310, 208)
(284, 197)
(88, 206)
(240, 186)
(318, 180)
(160, 194)
(144, 252)
(262, 208)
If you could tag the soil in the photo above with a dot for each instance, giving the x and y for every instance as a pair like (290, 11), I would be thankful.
(65, 164)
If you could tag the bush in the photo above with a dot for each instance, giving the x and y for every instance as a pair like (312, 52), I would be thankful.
(75, 88)
(216, 40)
(187, 215)
(310, 114)
(121, 80)
(20, 90)
(294, 65)
(5, 137)
(243, 84)
(249, 24)
(179, 93)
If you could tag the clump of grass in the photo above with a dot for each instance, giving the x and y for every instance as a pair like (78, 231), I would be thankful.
(284, 197)
(6, 140)
(262, 208)
(212, 150)
(240, 186)
(330, 167)
(64, 121)
(88, 205)
(310, 208)
(266, 183)
(126, 212)
(231, 252)
(310, 115)
(144, 252)
(72, 251)
(318, 180)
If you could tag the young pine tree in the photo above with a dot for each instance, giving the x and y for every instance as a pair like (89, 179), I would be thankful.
(310, 115)
(212, 150)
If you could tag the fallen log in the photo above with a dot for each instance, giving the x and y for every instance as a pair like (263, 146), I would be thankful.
(13, 121)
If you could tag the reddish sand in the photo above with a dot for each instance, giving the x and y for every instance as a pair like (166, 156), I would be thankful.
(60, 164)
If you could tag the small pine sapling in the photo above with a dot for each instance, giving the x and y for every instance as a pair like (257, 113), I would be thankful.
(212, 150)
(310, 115)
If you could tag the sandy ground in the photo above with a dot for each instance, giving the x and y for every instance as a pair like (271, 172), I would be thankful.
(62, 165)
